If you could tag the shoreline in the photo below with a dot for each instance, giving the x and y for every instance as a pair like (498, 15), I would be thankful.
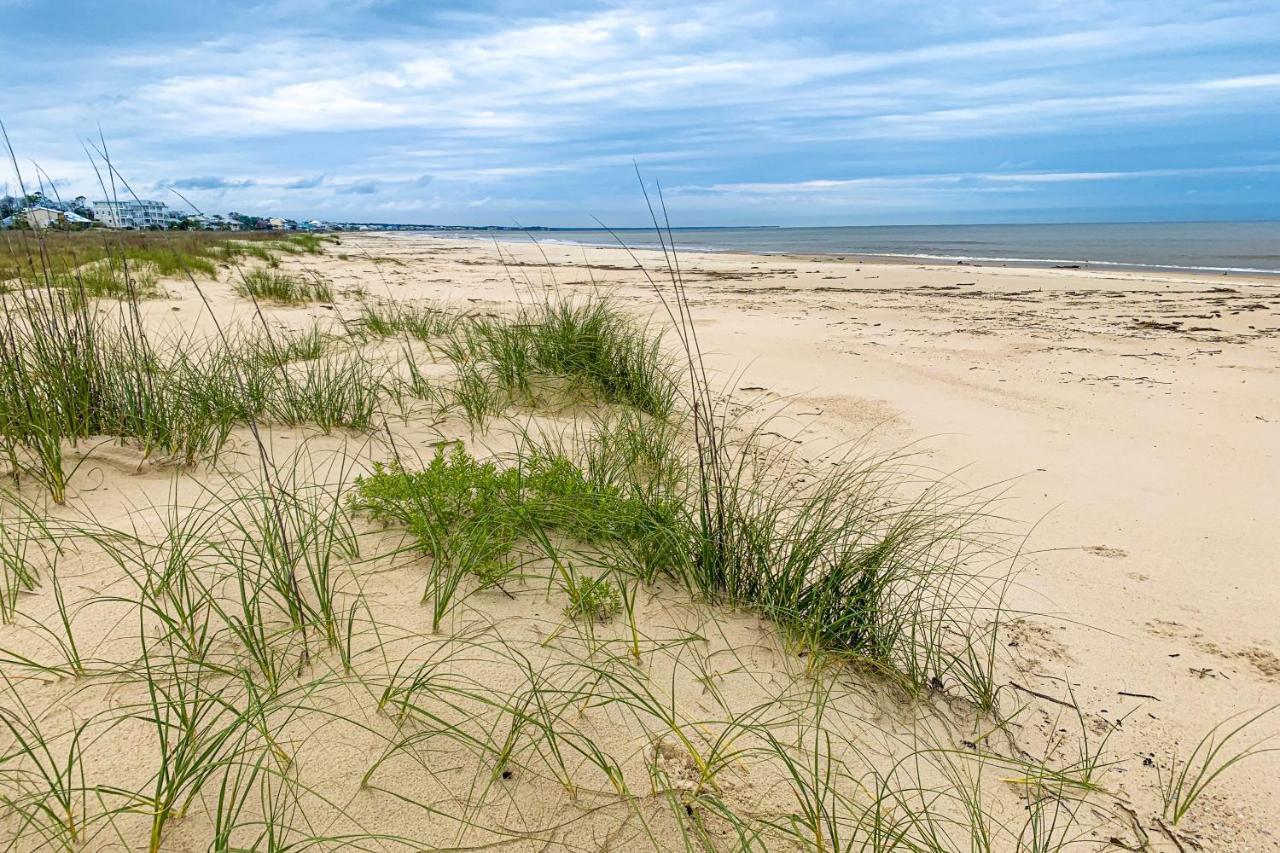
(853, 256)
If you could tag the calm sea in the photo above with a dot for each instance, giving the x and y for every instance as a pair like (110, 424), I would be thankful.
(1244, 247)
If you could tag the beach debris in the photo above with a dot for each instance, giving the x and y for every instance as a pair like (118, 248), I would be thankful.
(1045, 696)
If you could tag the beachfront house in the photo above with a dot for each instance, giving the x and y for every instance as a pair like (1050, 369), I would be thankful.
(50, 217)
(39, 217)
(135, 213)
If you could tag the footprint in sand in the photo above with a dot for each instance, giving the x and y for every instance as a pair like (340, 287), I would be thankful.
(1036, 644)
(1105, 551)
(1264, 661)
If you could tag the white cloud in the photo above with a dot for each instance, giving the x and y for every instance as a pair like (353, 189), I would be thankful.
(553, 77)
(966, 181)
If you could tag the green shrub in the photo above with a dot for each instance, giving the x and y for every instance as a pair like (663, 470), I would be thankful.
(594, 599)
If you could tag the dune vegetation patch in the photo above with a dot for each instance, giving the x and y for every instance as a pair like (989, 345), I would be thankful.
(285, 288)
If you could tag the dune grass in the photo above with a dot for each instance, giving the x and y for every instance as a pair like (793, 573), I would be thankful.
(424, 323)
(72, 373)
(30, 256)
(311, 244)
(335, 392)
(24, 533)
(285, 288)
(600, 349)
(1217, 751)
(111, 278)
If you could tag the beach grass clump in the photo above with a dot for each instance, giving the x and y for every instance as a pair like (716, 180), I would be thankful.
(268, 284)
(328, 392)
(71, 372)
(309, 345)
(377, 322)
(845, 567)
(478, 394)
(285, 538)
(425, 323)
(66, 374)
(232, 251)
(110, 278)
(592, 343)
(279, 347)
(312, 244)
(284, 288)
(173, 261)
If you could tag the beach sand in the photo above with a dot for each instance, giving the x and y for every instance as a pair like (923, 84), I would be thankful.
(1125, 425)
(1133, 420)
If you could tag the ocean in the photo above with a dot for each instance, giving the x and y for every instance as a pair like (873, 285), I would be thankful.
(1217, 247)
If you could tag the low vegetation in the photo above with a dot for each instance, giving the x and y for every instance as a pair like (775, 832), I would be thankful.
(426, 324)
(71, 374)
(285, 288)
(598, 348)
(32, 257)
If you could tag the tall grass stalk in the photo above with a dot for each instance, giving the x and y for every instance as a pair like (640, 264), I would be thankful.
(24, 536)
(57, 795)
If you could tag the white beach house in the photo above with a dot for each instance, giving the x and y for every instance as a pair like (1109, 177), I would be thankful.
(135, 214)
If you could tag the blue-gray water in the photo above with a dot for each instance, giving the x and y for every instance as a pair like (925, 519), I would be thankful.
(1245, 247)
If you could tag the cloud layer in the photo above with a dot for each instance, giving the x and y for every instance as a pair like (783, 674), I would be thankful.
(748, 112)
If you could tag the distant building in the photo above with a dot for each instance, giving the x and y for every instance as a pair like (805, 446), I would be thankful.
(135, 214)
(40, 216)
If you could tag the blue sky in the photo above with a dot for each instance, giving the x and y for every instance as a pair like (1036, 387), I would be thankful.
(793, 112)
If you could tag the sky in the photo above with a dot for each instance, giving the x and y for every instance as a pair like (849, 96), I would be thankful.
(746, 112)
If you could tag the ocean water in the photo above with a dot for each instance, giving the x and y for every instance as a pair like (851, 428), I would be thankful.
(1219, 247)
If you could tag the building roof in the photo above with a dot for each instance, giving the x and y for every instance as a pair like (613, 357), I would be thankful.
(58, 213)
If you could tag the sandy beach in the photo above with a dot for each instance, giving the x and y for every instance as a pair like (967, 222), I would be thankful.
(1132, 422)
(1121, 428)
(377, 477)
